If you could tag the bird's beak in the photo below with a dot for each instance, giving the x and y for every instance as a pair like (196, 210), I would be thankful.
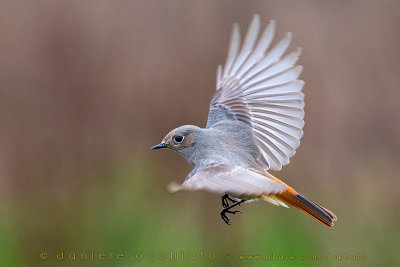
(161, 145)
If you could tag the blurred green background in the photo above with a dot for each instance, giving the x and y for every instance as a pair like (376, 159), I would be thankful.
(86, 87)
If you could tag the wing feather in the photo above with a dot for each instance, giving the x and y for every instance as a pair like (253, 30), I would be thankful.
(259, 86)
(235, 181)
(233, 49)
(259, 51)
(248, 45)
(271, 57)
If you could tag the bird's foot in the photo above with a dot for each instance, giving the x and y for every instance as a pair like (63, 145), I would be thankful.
(225, 198)
(225, 218)
(226, 209)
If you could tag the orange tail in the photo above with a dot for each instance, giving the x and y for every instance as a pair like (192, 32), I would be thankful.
(307, 206)
(297, 200)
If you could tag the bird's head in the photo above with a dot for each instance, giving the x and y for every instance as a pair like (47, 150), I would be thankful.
(181, 140)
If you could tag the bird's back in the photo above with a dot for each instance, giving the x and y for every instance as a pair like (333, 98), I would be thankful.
(228, 141)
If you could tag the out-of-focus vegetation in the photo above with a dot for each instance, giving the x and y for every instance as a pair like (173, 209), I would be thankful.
(87, 87)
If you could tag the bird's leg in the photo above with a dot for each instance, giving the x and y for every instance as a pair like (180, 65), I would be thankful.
(226, 209)
(225, 197)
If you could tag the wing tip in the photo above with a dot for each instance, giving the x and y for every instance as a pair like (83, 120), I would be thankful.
(271, 26)
(298, 51)
(256, 18)
(174, 187)
(287, 39)
(300, 82)
(235, 34)
(299, 69)
(235, 27)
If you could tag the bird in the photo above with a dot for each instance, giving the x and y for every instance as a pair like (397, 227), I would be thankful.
(255, 123)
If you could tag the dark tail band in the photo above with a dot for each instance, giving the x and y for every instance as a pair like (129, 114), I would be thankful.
(314, 210)
(309, 207)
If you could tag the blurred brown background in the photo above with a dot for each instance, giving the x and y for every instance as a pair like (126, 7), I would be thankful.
(86, 87)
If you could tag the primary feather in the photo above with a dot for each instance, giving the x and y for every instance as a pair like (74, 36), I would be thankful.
(259, 86)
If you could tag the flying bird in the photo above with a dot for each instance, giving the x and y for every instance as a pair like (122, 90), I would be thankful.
(254, 125)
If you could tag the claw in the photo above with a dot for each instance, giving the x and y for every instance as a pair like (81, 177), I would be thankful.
(234, 211)
(227, 207)
(225, 218)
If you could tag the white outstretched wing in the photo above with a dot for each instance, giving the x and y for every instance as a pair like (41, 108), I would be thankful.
(235, 181)
(259, 85)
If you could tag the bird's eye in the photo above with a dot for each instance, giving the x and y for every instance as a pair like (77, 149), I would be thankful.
(178, 138)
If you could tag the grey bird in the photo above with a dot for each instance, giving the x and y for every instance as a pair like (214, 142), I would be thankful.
(254, 124)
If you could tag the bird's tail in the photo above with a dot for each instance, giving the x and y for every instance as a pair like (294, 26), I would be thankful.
(297, 200)
(308, 206)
